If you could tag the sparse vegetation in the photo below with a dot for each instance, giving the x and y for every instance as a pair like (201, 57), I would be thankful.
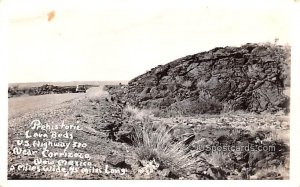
(156, 143)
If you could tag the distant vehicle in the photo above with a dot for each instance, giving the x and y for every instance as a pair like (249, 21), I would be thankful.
(80, 88)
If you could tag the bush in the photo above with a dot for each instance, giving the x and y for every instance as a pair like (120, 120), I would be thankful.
(156, 143)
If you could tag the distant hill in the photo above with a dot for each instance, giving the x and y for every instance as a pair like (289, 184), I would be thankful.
(72, 83)
(42, 88)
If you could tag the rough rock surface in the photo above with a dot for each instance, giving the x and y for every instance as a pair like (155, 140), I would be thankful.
(251, 77)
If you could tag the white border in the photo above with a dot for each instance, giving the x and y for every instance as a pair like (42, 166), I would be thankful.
(295, 126)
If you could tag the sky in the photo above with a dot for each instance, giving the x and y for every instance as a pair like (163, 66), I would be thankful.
(94, 40)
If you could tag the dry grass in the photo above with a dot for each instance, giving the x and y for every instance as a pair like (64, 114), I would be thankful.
(156, 143)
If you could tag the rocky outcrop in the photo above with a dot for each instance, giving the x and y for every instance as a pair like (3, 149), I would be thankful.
(251, 77)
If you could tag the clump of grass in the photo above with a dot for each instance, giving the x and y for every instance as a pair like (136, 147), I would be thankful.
(157, 143)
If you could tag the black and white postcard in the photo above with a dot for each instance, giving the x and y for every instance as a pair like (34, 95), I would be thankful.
(148, 90)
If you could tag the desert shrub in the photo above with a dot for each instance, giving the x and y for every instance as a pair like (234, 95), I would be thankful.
(156, 143)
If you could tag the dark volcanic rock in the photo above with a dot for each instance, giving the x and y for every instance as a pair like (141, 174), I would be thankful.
(251, 78)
